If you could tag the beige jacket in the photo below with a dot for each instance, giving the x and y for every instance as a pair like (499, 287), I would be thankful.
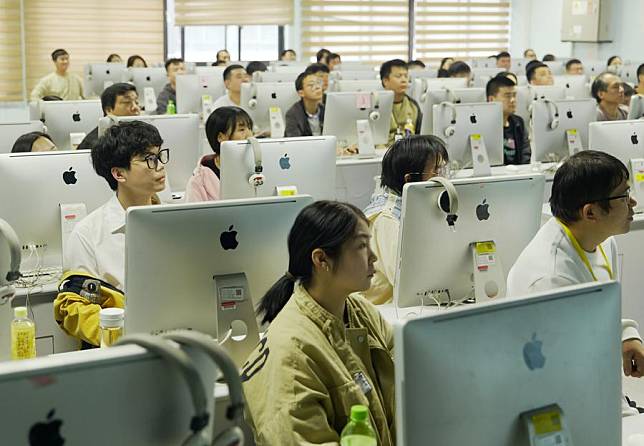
(305, 374)
(68, 87)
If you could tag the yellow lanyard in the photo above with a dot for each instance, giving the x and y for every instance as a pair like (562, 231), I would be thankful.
(582, 253)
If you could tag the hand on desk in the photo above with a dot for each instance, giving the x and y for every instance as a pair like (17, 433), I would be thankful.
(347, 151)
(633, 358)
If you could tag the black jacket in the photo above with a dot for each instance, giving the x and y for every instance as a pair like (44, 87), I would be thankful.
(297, 121)
(522, 152)
(89, 141)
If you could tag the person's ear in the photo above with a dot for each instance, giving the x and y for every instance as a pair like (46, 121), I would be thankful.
(407, 177)
(320, 260)
(119, 174)
(217, 160)
(221, 137)
(300, 93)
(589, 212)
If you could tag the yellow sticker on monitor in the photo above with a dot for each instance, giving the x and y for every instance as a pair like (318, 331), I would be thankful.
(274, 110)
(546, 422)
(485, 248)
(286, 191)
(475, 136)
(639, 177)
(572, 131)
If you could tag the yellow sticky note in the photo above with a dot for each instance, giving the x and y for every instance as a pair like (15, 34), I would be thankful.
(639, 177)
(572, 131)
(546, 423)
(274, 109)
(475, 136)
(485, 248)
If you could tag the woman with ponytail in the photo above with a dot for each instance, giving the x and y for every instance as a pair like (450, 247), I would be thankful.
(325, 349)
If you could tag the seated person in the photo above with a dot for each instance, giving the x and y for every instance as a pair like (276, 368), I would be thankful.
(530, 54)
(549, 58)
(322, 72)
(405, 116)
(460, 69)
(640, 80)
(516, 145)
(504, 60)
(415, 65)
(234, 77)
(538, 73)
(614, 64)
(306, 117)
(173, 67)
(444, 66)
(415, 158)
(574, 66)
(255, 66)
(221, 59)
(329, 349)
(334, 60)
(33, 142)
(608, 91)
(322, 56)
(61, 82)
(136, 61)
(130, 158)
(288, 56)
(590, 204)
(223, 124)
(114, 58)
(117, 100)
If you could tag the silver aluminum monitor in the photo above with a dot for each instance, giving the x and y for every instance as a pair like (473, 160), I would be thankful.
(354, 75)
(622, 139)
(355, 85)
(182, 246)
(576, 85)
(191, 87)
(210, 71)
(290, 68)
(180, 134)
(551, 144)
(269, 76)
(629, 73)
(420, 86)
(307, 163)
(11, 131)
(518, 65)
(64, 117)
(480, 76)
(529, 93)
(594, 68)
(342, 110)
(354, 66)
(483, 62)
(141, 78)
(32, 185)
(636, 110)
(485, 119)
(97, 74)
(457, 96)
(257, 98)
(557, 67)
(65, 398)
(432, 258)
(559, 347)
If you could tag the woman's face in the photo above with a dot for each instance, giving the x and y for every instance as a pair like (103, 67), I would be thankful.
(42, 144)
(242, 131)
(138, 63)
(353, 269)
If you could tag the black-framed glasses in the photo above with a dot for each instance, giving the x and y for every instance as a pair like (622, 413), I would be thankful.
(626, 194)
(153, 159)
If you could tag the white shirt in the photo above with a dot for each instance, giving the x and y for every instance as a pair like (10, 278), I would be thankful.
(97, 244)
(550, 261)
(224, 101)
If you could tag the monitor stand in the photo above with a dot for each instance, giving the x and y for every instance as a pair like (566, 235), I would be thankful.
(480, 159)
(487, 271)
(276, 120)
(636, 168)
(574, 141)
(366, 148)
(546, 425)
(237, 330)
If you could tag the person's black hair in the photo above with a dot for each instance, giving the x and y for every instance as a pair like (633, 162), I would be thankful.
(611, 59)
(51, 97)
(283, 53)
(112, 56)
(229, 70)
(443, 61)
(457, 68)
(640, 72)
(315, 68)
(496, 83)
(549, 58)
(132, 59)
(385, 68)
(600, 84)
(255, 66)
(57, 53)
(299, 82)
(531, 68)
(410, 155)
(25, 142)
(587, 176)
(415, 63)
(108, 97)
(224, 120)
(119, 144)
(509, 75)
(172, 61)
(325, 225)
(572, 62)
(322, 54)
(628, 90)
(502, 54)
(334, 56)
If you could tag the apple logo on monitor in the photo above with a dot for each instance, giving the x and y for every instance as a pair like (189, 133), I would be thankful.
(285, 162)
(532, 354)
(76, 117)
(473, 118)
(482, 210)
(274, 95)
(634, 139)
(569, 114)
(69, 176)
(47, 433)
(147, 78)
(228, 239)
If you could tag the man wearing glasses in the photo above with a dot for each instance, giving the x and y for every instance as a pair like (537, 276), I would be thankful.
(608, 91)
(306, 117)
(590, 204)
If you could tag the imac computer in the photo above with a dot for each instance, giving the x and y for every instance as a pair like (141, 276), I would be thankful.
(466, 376)
(260, 99)
(65, 398)
(269, 76)
(290, 68)
(420, 86)
(34, 185)
(560, 128)
(456, 96)
(482, 62)
(354, 66)
(210, 71)
(355, 85)
(180, 134)
(196, 242)
(636, 110)
(459, 124)
(11, 131)
(307, 163)
(142, 78)
(436, 261)
(622, 139)
(557, 67)
(518, 65)
(480, 76)
(576, 86)
(343, 110)
(629, 73)
(65, 117)
(99, 75)
(529, 93)
(594, 68)
(353, 75)
(191, 89)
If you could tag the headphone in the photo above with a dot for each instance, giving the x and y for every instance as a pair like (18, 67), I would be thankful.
(553, 113)
(450, 129)
(424, 87)
(447, 200)
(256, 178)
(182, 362)
(451, 97)
(105, 123)
(374, 114)
(252, 103)
(7, 233)
(235, 411)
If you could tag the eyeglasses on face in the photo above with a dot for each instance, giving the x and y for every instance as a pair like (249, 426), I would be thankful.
(153, 159)
(626, 194)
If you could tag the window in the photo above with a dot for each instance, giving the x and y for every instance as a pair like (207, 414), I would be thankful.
(11, 54)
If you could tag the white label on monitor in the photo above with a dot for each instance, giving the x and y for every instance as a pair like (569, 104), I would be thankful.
(150, 99)
(202, 81)
(231, 294)
(574, 141)
(363, 100)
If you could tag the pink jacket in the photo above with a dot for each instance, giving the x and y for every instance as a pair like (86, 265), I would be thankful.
(203, 185)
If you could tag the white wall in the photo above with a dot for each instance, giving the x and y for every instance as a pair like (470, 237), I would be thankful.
(537, 24)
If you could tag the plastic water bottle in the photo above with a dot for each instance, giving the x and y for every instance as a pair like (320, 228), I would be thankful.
(358, 432)
(171, 109)
(111, 320)
(23, 335)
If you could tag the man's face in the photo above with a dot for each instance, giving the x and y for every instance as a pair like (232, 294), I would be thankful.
(575, 68)
(311, 88)
(504, 62)
(333, 62)
(62, 63)
(126, 105)
(508, 97)
(620, 215)
(324, 78)
(173, 70)
(530, 55)
(42, 144)
(543, 76)
(288, 56)
(397, 81)
(614, 93)
(223, 57)
(139, 178)
(236, 78)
